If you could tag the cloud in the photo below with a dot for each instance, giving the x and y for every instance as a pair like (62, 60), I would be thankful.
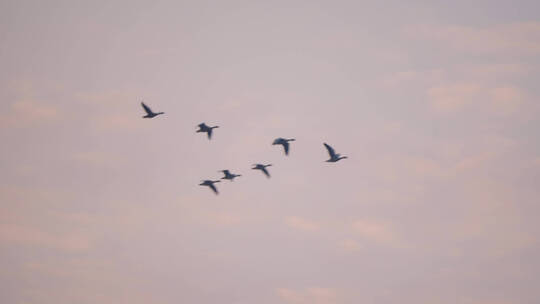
(350, 245)
(449, 98)
(376, 231)
(492, 219)
(26, 113)
(29, 236)
(517, 38)
(112, 109)
(84, 279)
(308, 296)
(98, 158)
(301, 223)
(455, 97)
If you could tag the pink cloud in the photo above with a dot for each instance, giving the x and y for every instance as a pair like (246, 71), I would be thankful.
(455, 97)
(302, 223)
(376, 231)
(314, 295)
(26, 113)
(517, 38)
(350, 245)
(29, 236)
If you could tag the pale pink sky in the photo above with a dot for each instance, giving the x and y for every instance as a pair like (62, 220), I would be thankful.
(436, 103)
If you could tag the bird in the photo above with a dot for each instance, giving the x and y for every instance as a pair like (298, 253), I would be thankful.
(334, 157)
(204, 128)
(149, 112)
(262, 168)
(284, 142)
(210, 183)
(228, 175)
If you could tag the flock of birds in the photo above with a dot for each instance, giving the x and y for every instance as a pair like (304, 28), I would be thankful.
(284, 142)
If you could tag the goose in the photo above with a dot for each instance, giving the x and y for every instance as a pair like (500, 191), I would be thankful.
(210, 183)
(334, 157)
(149, 112)
(284, 142)
(228, 175)
(204, 128)
(262, 168)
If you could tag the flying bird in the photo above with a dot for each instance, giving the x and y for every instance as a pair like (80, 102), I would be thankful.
(284, 142)
(228, 175)
(210, 183)
(334, 157)
(208, 130)
(149, 112)
(262, 168)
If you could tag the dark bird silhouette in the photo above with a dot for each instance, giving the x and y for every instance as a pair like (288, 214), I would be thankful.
(334, 157)
(149, 112)
(210, 183)
(208, 130)
(284, 142)
(262, 168)
(228, 175)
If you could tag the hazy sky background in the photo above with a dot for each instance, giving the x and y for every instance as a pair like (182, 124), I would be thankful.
(436, 103)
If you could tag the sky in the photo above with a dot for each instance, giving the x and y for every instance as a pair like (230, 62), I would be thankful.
(436, 104)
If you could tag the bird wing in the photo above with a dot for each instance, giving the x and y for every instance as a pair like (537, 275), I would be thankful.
(213, 188)
(330, 150)
(209, 132)
(147, 108)
(265, 172)
(286, 147)
(226, 172)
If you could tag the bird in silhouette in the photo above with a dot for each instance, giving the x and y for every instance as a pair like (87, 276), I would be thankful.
(228, 175)
(208, 130)
(149, 112)
(284, 142)
(210, 183)
(262, 168)
(334, 157)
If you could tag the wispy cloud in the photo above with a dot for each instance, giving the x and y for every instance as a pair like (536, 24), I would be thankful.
(301, 223)
(517, 38)
(376, 231)
(29, 236)
(314, 295)
(455, 97)
(25, 113)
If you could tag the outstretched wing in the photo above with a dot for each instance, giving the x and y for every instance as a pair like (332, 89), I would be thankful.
(209, 132)
(286, 147)
(213, 188)
(147, 109)
(265, 172)
(226, 172)
(330, 150)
